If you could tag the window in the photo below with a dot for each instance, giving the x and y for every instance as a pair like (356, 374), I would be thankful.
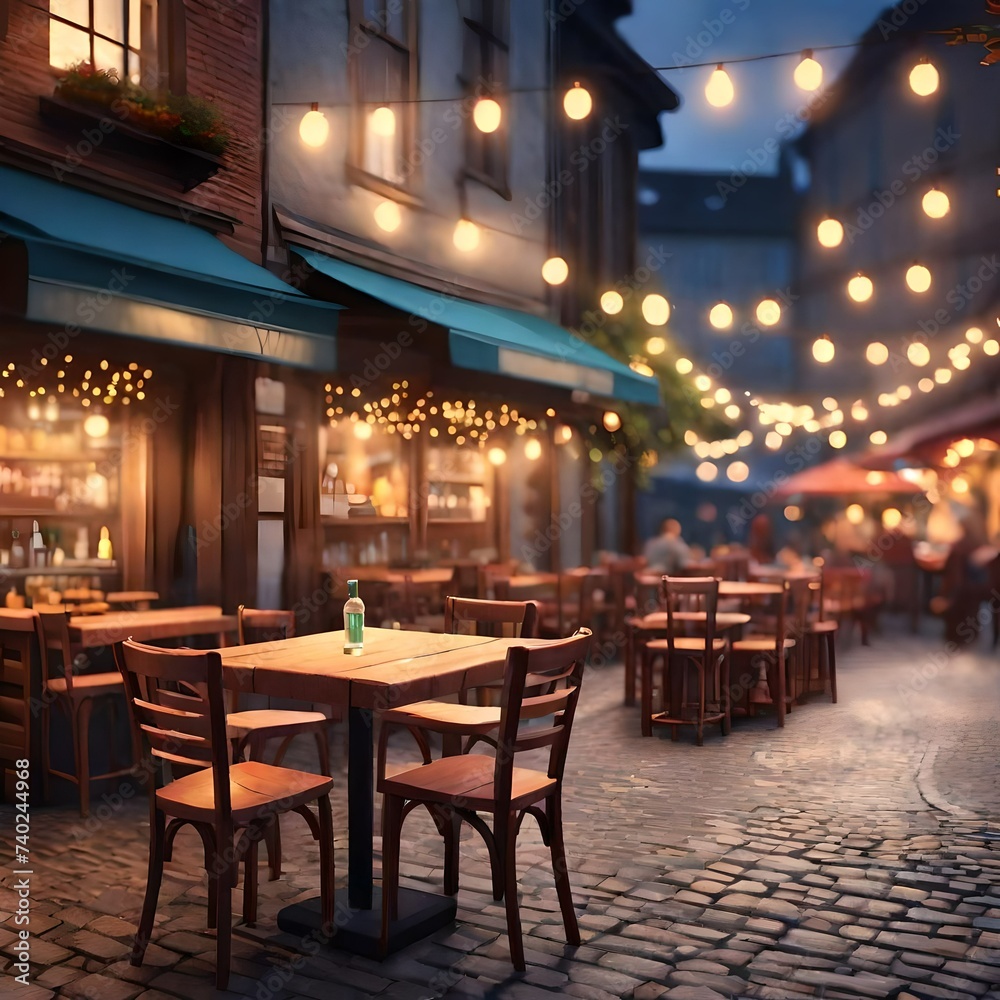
(487, 46)
(120, 35)
(383, 76)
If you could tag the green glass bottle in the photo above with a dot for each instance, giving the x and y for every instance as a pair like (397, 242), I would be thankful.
(354, 620)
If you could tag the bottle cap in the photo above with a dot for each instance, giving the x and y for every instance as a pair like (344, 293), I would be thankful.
(352, 588)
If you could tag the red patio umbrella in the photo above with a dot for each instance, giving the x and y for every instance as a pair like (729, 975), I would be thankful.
(840, 476)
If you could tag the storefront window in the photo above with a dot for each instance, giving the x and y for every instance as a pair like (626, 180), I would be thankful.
(364, 472)
(457, 484)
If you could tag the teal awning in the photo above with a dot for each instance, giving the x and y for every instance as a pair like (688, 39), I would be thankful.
(498, 340)
(96, 264)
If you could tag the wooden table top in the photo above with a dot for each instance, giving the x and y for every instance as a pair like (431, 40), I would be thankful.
(723, 619)
(385, 574)
(396, 667)
(747, 588)
(91, 631)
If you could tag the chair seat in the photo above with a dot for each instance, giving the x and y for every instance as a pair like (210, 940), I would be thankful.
(255, 720)
(818, 628)
(445, 717)
(685, 643)
(469, 778)
(87, 685)
(531, 681)
(255, 789)
(760, 644)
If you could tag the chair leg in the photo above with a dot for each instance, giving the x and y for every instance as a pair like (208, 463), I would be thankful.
(564, 890)
(831, 657)
(83, 713)
(452, 830)
(700, 736)
(323, 751)
(392, 825)
(780, 661)
(726, 694)
(222, 871)
(507, 857)
(249, 843)
(646, 694)
(630, 669)
(327, 872)
(47, 711)
(272, 844)
(157, 826)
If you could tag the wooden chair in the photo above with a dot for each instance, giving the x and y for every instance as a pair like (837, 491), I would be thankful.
(178, 708)
(460, 788)
(845, 600)
(574, 604)
(252, 729)
(817, 636)
(455, 723)
(21, 643)
(75, 691)
(770, 653)
(706, 654)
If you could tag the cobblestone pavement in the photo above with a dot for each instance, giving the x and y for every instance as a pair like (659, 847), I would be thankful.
(856, 853)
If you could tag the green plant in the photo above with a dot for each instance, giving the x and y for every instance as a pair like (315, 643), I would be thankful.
(179, 118)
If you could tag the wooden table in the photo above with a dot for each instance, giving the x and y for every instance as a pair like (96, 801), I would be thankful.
(748, 588)
(385, 574)
(97, 631)
(395, 668)
(723, 619)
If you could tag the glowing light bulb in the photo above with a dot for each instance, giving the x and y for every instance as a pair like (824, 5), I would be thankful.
(555, 271)
(855, 513)
(793, 513)
(808, 74)
(936, 204)
(891, 518)
(362, 431)
(532, 449)
(466, 235)
(860, 288)
(721, 316)
(974, 335)
(706, 472)
(918, 278)
(382, 121)
(496, 456)
(612, 303)
(918, 354)
(991, 347)
(655, 310)
(878, 437)
(823, 350)
(925, 384)
(924, 79)
(655, 345)
(314, 129)
(487, 115)
(577, 102)
(768, 312)
(719, 91)
(837, 439)
(684, 366)
(702, 383)
(738, 472)
(942, 375)
(387, 216)
(876, 353)
(830, 233)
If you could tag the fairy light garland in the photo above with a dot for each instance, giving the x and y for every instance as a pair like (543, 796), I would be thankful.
(63, 378)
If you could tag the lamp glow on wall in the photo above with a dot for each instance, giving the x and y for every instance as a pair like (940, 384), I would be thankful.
(487, 115)
(314, 129)
(382, 121)
(719, 91)
(823, 350)
(555, 271)
(830, 233)
(808, 74)
(466, 235)
(577, 102)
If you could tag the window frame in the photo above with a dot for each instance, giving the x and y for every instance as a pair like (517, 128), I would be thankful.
(354, 169)
(489, 41)
(171, 49)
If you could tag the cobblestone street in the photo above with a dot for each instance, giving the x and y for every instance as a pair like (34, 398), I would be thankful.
(856, 853)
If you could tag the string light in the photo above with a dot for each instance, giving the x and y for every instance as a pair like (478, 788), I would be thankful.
(935, 204)
(684, 366)
(918, 278)
(314, 129)
(837, 439)
(719, 91)
(974, 335)
(612, 422)
(706, 472)
(876, 353)
(991, 347)
(555, 271)
(830, 233)
(942, 376)
(808, 74)
(577, 102)
(721, 316)
(655, 310)
(860, 288)
(487, 115)
(738, 472)
(656, 345)
(878, 437)
(918, 354)
(612, 302)
(768, 312)
(924, 78)
(823, 350)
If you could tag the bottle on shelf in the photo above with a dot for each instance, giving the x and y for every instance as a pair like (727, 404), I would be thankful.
(354, 620)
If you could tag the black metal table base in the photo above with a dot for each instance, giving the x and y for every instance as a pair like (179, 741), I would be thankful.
(358, 931)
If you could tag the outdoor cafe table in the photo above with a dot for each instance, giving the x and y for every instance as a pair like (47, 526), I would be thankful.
(95, 631)
(395, 668)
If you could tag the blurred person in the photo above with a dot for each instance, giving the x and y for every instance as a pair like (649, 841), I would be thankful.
(760, 540)
(965, 582)
(667, 553)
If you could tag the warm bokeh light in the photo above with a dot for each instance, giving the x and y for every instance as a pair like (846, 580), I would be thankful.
(991, 347)
(965, 447)
(721, 316)
(577, 102)
(808, 74)
(532, 449)
(466, 235)
(388, 216)
(719, 91)
(774, 440)
(936, 204)
(655, 310)
(974, 335)
(918, 278)
(612, 302)
(362, 431)
(738, 472)
(684, 366)
(793, 513)
(314, 129)
(859, 411)
(878, 437)
(487, 115)
(829, 403)
(855, 513)
(837, 439)
(768, 312)
(960, 485)
(942, 376)
(612, 422)
(918, 354)
(904, 392)
(555, 271)
(706, 472)
(655, 346)
(702, 383)
(496, 456)
(891, 518)
(860, 288)
(723, 395)
(925, 384)
(383, 122)
(823, 350)
(830, 233)
(877, 353)
(924, 79)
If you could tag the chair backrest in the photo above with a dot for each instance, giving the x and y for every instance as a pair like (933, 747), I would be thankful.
(562, 662)
(690, 593)
(177, 704)
(488, 574)
(20, 635)
(734, 564)
(844, 585)
(257, 625)
(502, 619)
(53, 620)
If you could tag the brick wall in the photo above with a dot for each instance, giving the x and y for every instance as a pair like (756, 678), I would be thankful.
(223, 63)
